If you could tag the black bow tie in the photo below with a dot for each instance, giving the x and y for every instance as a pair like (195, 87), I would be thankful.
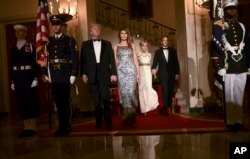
(165, 48)
(96, 39)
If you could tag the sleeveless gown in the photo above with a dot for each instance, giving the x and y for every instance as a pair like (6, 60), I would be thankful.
(147, 95)
(126, 71)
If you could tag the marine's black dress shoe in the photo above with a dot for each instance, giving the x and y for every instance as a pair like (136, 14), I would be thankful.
(236, 127)
(231, 127)
(239, 127)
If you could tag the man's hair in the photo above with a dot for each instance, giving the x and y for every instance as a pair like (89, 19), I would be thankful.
(95, 24)
(164, 36)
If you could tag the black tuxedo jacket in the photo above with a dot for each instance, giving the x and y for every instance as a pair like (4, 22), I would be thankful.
(166, 69)
(88, 62)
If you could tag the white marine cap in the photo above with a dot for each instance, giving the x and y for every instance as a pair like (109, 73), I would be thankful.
(20, 26)
(227, 3)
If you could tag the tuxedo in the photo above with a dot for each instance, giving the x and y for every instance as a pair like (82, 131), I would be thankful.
(167, 70)
(98, 74)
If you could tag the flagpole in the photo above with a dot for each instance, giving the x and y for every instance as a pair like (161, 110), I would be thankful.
(42, 35)
(218, 14)
(48, 88)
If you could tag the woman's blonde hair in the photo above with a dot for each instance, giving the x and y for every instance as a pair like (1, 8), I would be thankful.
(143, 42)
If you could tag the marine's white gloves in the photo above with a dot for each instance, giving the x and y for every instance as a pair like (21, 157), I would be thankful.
(12, 86)
(222, 72)
(34, 83)
(72, 79)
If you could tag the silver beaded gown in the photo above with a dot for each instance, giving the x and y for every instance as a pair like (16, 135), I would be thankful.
(127, 84)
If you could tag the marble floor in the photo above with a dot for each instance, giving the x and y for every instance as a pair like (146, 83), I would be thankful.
(177, 146)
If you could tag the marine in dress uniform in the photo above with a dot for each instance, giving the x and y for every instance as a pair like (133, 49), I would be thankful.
(63, 69)
(24, 74)
(230, 58)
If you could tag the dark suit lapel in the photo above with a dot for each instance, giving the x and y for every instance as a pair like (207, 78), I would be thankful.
(171, 55)
(91, 48)
(162, 54)
(103, 45)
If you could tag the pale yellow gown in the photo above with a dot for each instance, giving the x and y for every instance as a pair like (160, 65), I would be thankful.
(147, 95)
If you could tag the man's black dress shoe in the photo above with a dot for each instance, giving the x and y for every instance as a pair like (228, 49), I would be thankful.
(109, 127)
(98, 126)
(60, 132)
(27, 133)
(165, 113)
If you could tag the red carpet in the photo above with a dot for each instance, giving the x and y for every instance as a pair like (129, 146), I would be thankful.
(152, 124)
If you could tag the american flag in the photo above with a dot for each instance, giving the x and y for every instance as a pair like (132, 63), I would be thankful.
(42, 31)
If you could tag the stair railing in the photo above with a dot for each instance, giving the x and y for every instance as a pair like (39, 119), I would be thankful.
(118, 18)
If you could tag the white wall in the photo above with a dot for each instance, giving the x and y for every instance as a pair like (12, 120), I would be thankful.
(198, 36)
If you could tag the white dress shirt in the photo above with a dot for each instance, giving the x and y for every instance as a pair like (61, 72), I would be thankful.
(57, 36)
(165, 51)
(97, 48)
